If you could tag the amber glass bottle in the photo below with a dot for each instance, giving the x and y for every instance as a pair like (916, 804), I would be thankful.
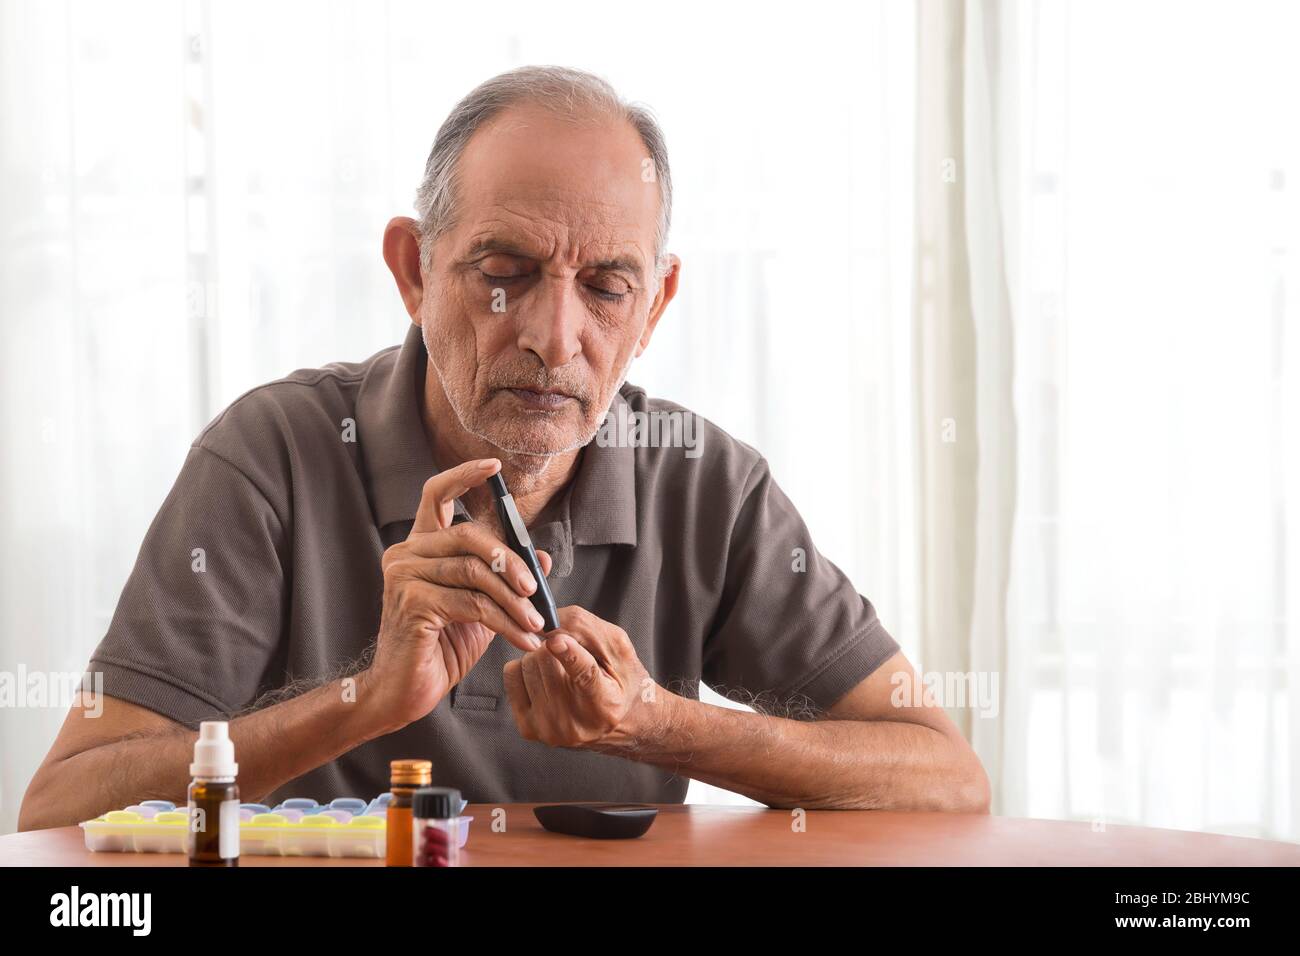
(213, 799)
(407, 777)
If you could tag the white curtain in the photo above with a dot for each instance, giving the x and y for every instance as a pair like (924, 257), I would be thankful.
(1161, 230)
(193, 196)
(1126, 203)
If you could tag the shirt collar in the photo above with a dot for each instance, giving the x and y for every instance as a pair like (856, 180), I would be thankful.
(601, 503)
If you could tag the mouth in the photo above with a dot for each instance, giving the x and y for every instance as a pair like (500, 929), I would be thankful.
(542, 399)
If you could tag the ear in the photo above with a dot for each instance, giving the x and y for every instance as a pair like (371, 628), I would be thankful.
(402, 253)
(667, 289)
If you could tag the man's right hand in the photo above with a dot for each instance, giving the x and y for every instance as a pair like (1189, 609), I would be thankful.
(443, 602)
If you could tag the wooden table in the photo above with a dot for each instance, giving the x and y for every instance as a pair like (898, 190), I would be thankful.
(706, 835)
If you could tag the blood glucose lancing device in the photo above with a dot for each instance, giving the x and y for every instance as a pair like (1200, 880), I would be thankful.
(522, 545)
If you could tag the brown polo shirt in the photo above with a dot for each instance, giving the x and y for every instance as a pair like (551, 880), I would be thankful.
(263, 567)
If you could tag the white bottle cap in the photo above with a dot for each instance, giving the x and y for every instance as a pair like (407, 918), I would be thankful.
(214, 752)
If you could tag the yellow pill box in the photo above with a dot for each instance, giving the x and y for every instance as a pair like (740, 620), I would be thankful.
(344, 828)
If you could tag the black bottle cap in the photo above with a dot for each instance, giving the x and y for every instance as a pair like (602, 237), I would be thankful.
(498, 485)
(435, 803)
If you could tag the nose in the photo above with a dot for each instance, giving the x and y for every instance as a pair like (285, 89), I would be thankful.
(549, 324)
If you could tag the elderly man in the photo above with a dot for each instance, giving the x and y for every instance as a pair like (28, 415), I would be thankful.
(329, 572)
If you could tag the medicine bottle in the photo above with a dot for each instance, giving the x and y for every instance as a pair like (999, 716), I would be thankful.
(435, 827)
(213, 799)
(407, 777)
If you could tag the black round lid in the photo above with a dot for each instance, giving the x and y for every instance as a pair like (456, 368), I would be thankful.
(435, 803)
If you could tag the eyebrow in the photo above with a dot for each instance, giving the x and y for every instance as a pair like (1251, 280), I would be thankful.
(490, 244)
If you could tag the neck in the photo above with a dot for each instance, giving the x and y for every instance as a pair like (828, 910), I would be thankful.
(534, 480)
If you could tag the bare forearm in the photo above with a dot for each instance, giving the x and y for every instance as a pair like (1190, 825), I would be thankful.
(272, 747)
(828, 764)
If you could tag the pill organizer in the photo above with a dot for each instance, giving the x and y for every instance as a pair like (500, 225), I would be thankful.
(344, 827)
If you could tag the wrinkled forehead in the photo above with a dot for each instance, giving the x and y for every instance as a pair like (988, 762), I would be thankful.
(557, 182)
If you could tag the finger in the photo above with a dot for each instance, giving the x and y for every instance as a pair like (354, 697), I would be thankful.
(464, 606)
(545, 558)
(437, 500)
(554, 678)
(582, 669)
(541, 701)
(478, 607)
(589, 631)
(512, 678)
(472, 538)
(470, 572)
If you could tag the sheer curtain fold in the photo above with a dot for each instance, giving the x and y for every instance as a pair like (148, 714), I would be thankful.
(966, 428)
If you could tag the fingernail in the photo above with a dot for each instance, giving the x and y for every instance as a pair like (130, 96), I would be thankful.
(534, 641)
(528, 585)
(535, 620)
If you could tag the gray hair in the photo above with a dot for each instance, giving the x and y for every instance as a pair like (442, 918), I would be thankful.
(568, 92)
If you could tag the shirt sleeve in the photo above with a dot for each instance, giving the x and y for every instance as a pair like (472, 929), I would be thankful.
(791, 628)
(197, 631)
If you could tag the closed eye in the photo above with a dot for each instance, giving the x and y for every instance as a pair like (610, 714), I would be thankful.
(491, 279)
(501, 268)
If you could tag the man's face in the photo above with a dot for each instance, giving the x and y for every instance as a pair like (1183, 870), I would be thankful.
(537, 300)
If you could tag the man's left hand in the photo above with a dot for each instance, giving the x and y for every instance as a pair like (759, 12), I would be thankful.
(584, 687)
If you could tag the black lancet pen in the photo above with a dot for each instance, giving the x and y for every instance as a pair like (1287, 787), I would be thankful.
(522, 545)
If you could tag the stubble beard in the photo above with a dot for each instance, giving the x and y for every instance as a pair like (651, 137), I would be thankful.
(542, 457)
